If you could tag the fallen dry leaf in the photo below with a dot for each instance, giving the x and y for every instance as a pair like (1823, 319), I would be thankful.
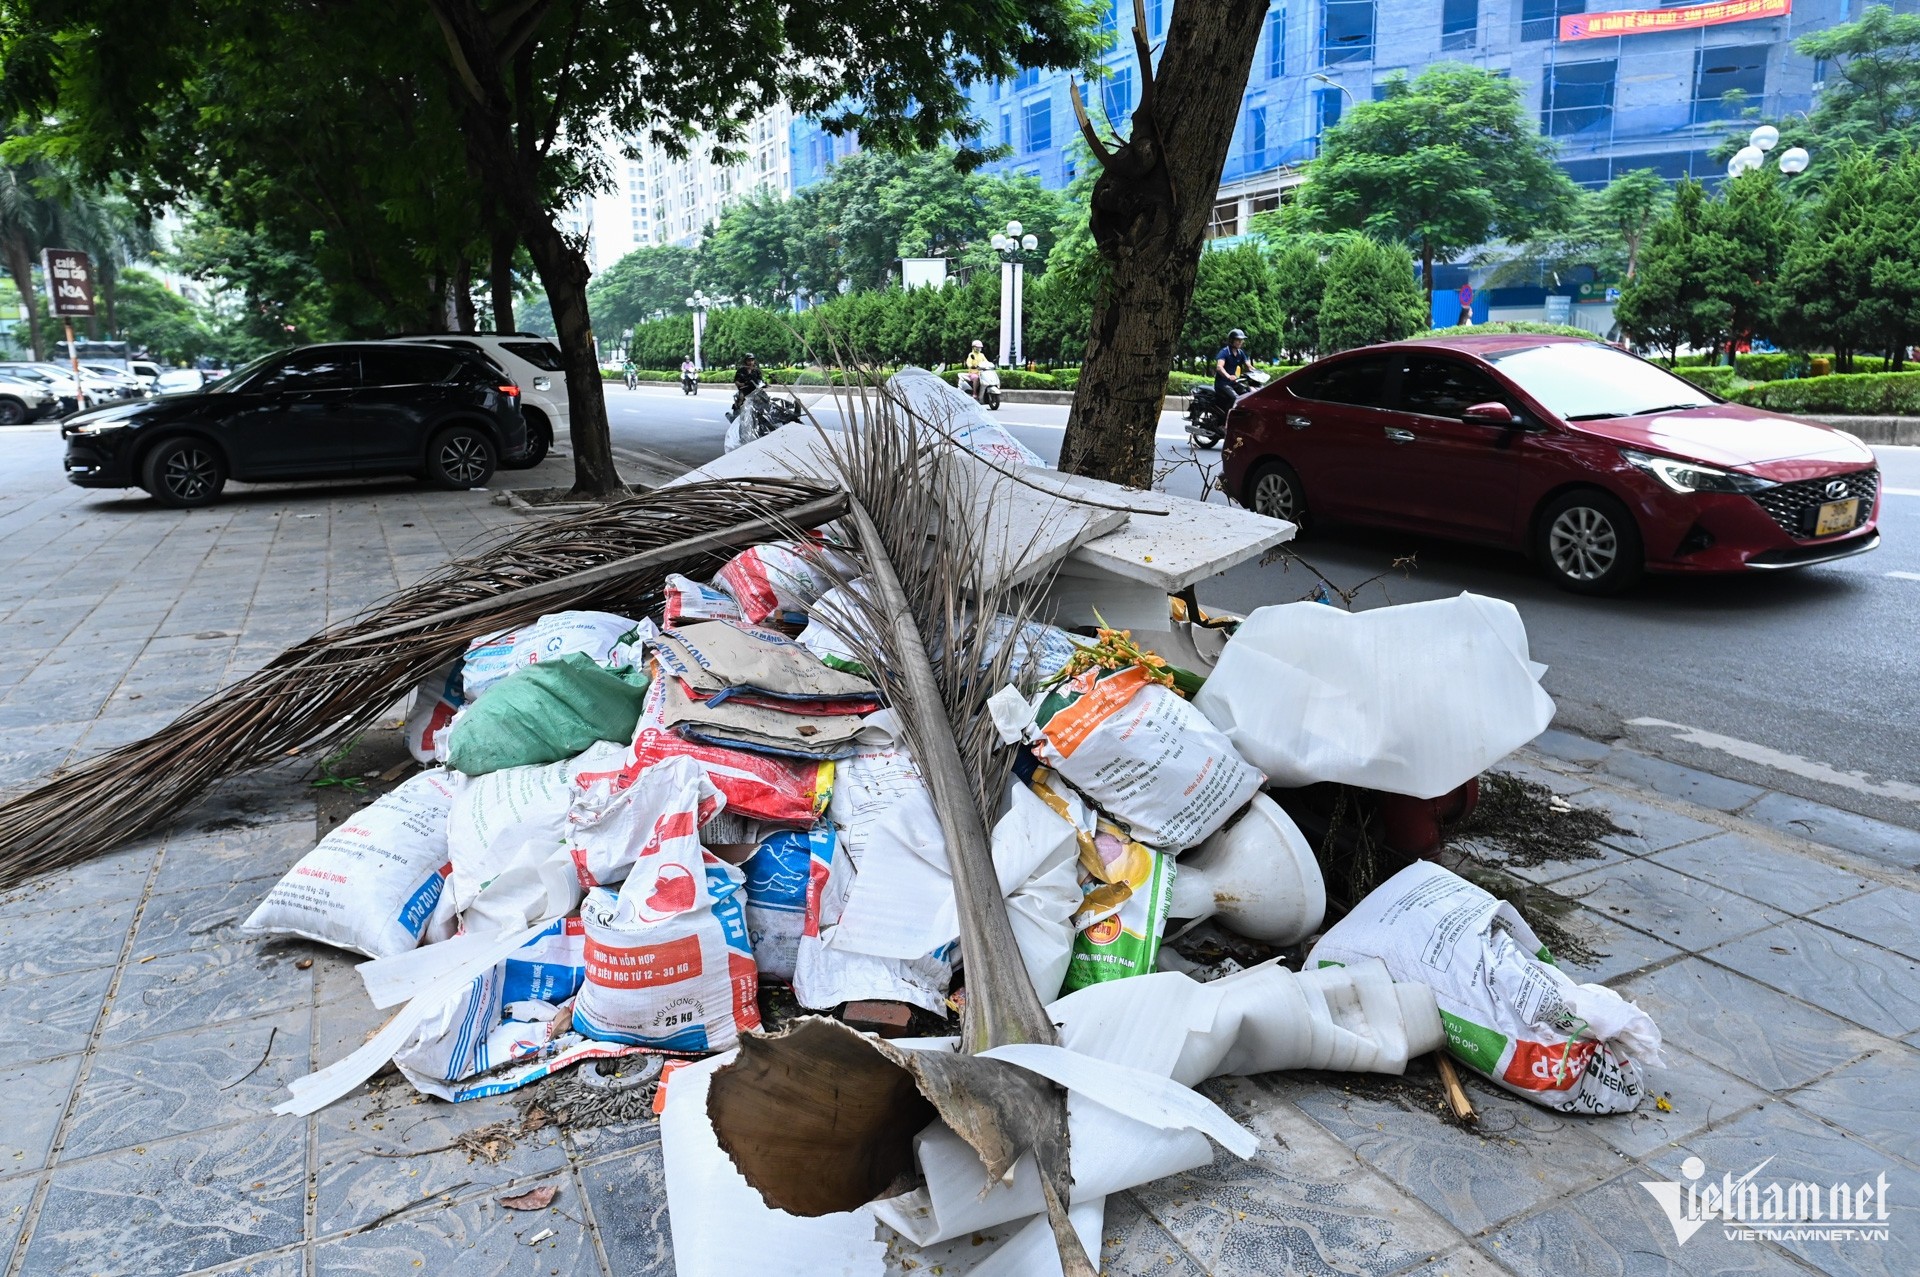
(533, 1199)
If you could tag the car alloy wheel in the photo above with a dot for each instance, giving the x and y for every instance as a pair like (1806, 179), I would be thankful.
(12, 412)
(1274, 497)
(1584, 544)
(190, 474)
(463, 459)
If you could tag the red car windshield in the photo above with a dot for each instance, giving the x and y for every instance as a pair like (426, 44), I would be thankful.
(1585, 381)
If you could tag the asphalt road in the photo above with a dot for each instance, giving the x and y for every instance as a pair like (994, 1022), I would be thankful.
(1804, 681)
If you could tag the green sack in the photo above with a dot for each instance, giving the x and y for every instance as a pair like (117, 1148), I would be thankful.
(546, 712)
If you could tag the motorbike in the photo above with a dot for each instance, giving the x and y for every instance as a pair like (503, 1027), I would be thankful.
(689, 383)
(1207, 409)
(982, 385)
(632, 379)
(759, 414)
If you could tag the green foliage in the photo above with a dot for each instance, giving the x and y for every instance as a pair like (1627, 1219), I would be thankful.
(1299, 281)
(1233, 288)
(1887, 394)
(1717, 378)
(643, 282)
(1747, 229)
(1446, 161)
(159, 321)
(731, 333)
(1871, 97)
(1371, 296)
(1661, 305)
(1504, 326)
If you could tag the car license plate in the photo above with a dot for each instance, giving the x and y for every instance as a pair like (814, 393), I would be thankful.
(1837, 516)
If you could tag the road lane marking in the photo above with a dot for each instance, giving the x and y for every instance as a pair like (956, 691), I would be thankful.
(1780, 761)
(1904, 576)
(1902, 492)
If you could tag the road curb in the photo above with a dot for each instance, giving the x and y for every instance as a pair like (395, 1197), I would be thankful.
(1890, 430)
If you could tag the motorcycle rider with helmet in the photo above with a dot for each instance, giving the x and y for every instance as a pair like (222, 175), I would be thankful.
(1229, 366)
(746, 380)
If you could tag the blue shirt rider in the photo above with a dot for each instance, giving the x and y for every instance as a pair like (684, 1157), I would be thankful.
(1229, 366)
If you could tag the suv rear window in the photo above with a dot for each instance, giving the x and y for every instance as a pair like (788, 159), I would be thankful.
(398, 366)
(1366, 381)
(543, 355)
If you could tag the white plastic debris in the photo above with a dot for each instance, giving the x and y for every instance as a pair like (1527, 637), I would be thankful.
(1510, 1014)
(1416, 699)
(608, 639)
(1258, 875)
(435, 701)
(374, 883)
(952, 411)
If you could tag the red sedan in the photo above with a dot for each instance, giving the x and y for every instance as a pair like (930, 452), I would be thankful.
(1594, 462)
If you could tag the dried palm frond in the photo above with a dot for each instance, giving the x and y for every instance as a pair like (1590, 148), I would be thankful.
(320, 691)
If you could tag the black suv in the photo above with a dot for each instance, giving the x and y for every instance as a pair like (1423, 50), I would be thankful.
(340, 410)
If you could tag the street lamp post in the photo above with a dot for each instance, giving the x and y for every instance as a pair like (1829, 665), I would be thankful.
(698, 304)
(1012, 244)
(1754, 154)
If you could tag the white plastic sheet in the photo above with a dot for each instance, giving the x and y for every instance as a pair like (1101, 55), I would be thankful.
(950, 409)
(1416, 699)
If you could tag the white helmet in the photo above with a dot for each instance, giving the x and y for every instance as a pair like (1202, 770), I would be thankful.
(977, 343)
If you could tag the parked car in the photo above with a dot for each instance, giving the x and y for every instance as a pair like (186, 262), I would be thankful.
(176, 381)
(23, 400)
(98, 388)
(340, 410)
(534, 363)
(1595, 462)
(129, 379)
(60, 389)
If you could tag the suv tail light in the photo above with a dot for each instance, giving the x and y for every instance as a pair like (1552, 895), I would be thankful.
(510, 390)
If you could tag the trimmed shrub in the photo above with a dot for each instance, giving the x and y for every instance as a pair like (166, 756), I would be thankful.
(1499, 327)
(1715, 380)
(1875, 394)
(1769, 367)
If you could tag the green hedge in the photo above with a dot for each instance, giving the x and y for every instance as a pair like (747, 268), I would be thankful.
(1502, 327)
(1875, 394)
(1718, 380)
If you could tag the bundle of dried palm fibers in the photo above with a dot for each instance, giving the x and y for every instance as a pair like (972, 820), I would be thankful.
(820, 1118)
(320, 691)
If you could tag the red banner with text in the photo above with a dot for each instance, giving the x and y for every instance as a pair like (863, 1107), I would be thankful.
(1595, 26)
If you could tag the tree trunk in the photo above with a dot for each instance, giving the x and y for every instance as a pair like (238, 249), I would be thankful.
(500, 278)
(460, 310)
(1426, 276)
(1149, 216)
(20, 266)
(564, 271)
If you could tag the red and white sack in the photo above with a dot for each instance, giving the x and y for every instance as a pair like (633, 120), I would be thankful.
(372, 885)
(780, 580)
(1137, 750)
(438, 698)
(610, 640)
(527, 842)
(689, 600)
(1510, 1014)
(790, 792)
(668, 962)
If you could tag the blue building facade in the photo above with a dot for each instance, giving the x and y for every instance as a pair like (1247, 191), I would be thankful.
(1618, 86)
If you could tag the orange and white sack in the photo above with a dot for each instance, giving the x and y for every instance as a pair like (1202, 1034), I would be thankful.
(689, 600)
(372, 885)
(1510, 1014)
(668, 960)
(1136, 749)
(780, 580)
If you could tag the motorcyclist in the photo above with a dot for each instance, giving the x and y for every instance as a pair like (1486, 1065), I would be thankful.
(976, 361)
(1229, 366)
(630, 373)
(746, 380)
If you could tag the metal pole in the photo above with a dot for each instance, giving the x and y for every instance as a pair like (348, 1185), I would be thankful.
(698, 316)
(1006, 312)
(79, 391)
(1019, 301)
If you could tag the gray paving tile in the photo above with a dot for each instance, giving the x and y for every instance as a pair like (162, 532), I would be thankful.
(1547, 871)
(387, 1144)
(1559, 782)
(1134, 1245)
(1783, 879)
(1465, 1262)
(205, 986)
(1806, 1150)
(1763, 1037)
(120, 875)
(16, 1196)
(629, 1196)
(1667, 905)
(33, 945)
(188, 1081)
(1649, 828)
(1699, 1095)
(1301, 1204)
(223, 856)
(1864, 983)
(1618, 1230)
(1521, 1155)
(1620, 949)
(286, 1263)
(1889, 844)
(36, 1100)
(1889, 917)
(1676, 781)
(176, 1205)
(198, 917)
(473, 1238)
(41, 1019)
(1877, 1098)
(1569, 747)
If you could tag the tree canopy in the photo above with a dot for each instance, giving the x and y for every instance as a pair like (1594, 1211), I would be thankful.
(1870, 99)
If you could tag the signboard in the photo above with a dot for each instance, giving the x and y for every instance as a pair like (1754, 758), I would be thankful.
(69, 282)
(1595, 26)
(1559, 308)
(1606, 291)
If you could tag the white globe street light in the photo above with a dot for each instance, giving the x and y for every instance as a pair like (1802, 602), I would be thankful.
(1010, 243)
(1014, 229)
(1029, 242)
(999, 243)
(1794, 160)
(1745, 160)
(1766, 137)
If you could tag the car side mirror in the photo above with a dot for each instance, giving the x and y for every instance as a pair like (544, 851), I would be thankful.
(1491, 414)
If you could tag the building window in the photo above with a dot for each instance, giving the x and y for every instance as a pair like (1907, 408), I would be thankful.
(1256, 137)
(1226, 219)
(1109, 19)
(1540, 19)
(1738, 68)
(1326, 109)
(1276, 44)
(1116, 95)
(1459, 21)
(1156, 17)
(1026, 78)
(1039, 124)
(1577, 96)
(1346, 31)
(1006, 128)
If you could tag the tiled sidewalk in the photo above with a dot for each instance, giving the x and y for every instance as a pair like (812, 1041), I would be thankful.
(143, 1041)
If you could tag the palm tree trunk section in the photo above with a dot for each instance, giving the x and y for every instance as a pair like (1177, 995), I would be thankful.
(1149, 216)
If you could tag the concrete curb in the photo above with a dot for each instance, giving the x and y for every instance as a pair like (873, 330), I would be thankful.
(1892, 430)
